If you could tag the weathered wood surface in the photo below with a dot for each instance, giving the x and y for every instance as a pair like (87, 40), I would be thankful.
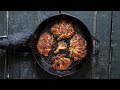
(3, 23)
(103, 33)
(20, 21)
(3, 30)
(102, 24)
(115, 46)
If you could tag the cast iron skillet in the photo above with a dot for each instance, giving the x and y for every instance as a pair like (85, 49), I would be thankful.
(45, 62)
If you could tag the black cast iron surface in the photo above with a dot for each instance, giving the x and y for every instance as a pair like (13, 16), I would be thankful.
(104, 25)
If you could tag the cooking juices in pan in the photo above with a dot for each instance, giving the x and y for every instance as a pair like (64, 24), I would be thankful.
(62, 45)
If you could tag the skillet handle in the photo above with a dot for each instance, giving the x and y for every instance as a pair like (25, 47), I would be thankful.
(96, 46)
(16, 42)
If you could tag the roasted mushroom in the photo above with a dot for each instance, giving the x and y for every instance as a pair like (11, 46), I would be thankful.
(61, 62)
(61, 46)
(77, 47)
(62, 30)
(45, 44)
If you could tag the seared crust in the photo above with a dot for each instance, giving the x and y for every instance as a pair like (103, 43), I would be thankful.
(62, 30)
(77, 47)
(61, 46)
(45, 44)
(61, 62)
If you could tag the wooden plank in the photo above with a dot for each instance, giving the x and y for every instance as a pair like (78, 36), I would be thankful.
(21, 21)
(13, 67)
(2, 64)
(3, 23)
(42, 15)
(27, 71)
(103, 32)
(40, 73)
(87, 17)
(3, 30)
(115, 46)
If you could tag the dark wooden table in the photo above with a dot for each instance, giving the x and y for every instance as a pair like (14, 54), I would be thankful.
(104, 25)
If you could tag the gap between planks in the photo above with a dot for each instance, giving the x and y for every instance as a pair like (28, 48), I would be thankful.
(94, 43)
(111, 49)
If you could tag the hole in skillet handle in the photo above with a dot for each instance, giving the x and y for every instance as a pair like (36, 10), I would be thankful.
(3, 37)
(96, 46)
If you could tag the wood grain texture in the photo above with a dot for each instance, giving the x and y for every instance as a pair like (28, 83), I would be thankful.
(27, 65)
(21, 66)
(42, 15)
(87, 17)
(115, 46)
(22, 21)
(3, 23)
(103, 29)
(2, 64)
(3, 30)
